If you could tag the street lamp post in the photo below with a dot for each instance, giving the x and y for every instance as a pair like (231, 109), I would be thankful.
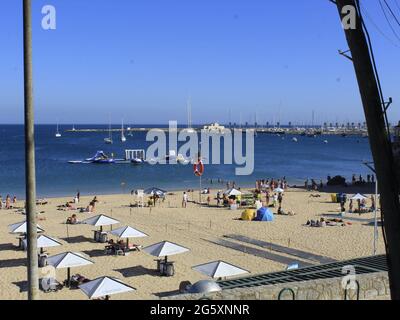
(369, 166)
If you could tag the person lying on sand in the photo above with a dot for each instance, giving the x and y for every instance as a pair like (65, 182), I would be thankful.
(65, 207)
(73, 219)
(315, 196)
(329, 222)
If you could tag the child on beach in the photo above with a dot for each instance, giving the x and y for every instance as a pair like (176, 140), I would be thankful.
(184, 200)
(275, 200)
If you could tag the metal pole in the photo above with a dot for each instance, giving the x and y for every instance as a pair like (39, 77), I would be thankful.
(200, 192)
(30, 179)
(375, 245)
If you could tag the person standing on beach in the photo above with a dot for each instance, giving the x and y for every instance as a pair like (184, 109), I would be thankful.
(267, 198)
(8, 202)
(184, 200)
(1, 202)
(280, 198)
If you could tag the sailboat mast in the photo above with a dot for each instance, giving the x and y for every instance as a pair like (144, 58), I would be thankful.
(189, 112)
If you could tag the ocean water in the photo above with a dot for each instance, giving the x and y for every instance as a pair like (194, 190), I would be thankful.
(274, 157)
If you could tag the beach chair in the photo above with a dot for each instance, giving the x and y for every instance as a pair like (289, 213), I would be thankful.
(140, 198)
(134, 247)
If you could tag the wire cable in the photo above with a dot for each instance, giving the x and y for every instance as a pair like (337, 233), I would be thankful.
(391, 11)
(387, 20)
(379, 29)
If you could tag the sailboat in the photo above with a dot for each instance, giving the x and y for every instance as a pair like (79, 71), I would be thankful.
(58, 134)
(189, 111)
(109, 139)
(130, 131)
(123, 139)
(73, 128)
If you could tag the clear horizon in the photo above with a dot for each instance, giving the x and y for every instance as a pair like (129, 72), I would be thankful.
(238, 60)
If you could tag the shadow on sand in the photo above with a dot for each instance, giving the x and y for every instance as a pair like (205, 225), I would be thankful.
(12, 263)
(95, 253)
(77, 239)
(138, 271)
(8, 247)
(22, 285)
(167, 294)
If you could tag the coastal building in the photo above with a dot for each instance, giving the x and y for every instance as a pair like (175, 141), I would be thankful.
(214, 128)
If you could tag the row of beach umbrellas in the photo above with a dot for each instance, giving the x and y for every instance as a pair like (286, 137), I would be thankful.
(105, 286)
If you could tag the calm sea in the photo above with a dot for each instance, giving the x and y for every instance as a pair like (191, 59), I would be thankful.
(274, 157)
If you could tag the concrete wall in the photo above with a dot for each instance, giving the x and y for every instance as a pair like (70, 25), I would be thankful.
(372, 286)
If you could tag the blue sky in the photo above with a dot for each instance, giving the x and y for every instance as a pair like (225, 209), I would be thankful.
(140, 59)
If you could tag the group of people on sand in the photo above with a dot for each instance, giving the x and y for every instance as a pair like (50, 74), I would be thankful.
(361, 181)
(70, 206)
(313, 185)
(361, 206)
(8, 203)
(271, 184)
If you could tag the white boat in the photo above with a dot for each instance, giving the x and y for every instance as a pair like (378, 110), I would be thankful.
(215, 128)
(73, 128)
(109, 140)
(123, 139)
(295, 140)
(58, 134)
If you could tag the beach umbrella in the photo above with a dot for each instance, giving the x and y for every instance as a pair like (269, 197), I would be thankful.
(359, 196)
(165, 249)
(219, 269)
(20, 227)
(100, 221)
(104, 286)
(155, 191)
(232, 192)
(68, 260)
(279, 190)
(128, 232)
(45, 242)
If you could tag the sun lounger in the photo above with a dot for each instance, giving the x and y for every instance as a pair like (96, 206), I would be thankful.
(134, 247)
(77, 280)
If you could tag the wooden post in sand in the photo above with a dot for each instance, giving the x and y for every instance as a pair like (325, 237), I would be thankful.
(379, 137)
(30, 177)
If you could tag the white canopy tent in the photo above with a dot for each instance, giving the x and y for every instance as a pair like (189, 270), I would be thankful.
(219, 269)
(100, 221)
(68, 260)
(165, 249)
(128, 232)
(104, 286)
(359, 196)
(232, 192)
(20, 227)
(44, 241)
(279, 190)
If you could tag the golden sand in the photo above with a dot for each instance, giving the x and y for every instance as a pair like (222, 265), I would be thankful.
(192, 227)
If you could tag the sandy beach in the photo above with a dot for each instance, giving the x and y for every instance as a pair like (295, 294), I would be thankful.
(193, 227)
